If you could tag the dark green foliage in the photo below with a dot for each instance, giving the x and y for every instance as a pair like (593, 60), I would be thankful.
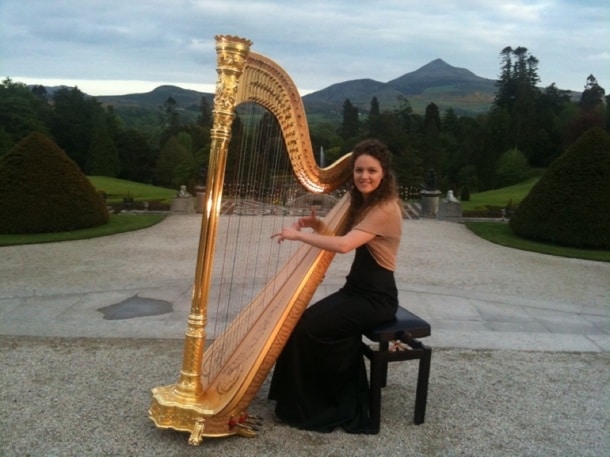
(72, 123)
(570, 204)
(21, 112)
(349, 127)
(43, 190)
(512, 168)
(103, 157)
(465, 194)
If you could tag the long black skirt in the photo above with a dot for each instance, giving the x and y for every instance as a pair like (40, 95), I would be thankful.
(320, 380)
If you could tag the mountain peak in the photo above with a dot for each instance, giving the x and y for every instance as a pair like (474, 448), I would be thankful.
(437, 73)
(437, 63)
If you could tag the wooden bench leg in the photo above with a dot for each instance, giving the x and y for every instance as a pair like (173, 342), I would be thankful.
(423, 376)
(378, 376)
(383, 361)
(379, 360)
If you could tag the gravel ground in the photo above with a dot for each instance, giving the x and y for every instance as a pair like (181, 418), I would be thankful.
(86, 397)
(89, 397)
(433, 254)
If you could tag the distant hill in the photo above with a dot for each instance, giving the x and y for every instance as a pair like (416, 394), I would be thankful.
(438, 73)
(437, 81)
(184, 98)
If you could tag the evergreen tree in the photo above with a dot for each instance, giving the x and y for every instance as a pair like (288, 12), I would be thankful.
(591, 113)
(205, 114)
(73, 123)
(593, 95)
(136, 155)
(170, 120)
(103, 156)
(21, 112)
(517, 96)
(374, 121)
(171, 155)
(350, 127)
(432, 139)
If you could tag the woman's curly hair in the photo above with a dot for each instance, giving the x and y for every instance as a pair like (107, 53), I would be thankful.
(387, 190)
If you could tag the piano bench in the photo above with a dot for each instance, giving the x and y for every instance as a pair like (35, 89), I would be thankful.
(397, 341)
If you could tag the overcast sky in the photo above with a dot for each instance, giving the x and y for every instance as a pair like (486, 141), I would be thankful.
(110, 47)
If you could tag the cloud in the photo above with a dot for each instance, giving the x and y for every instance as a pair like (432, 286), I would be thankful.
(318, 42)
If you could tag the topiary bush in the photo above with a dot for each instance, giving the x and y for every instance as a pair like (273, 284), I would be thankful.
(570, 204)
(42, 190)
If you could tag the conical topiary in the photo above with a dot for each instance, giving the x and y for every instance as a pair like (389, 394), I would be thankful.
(43, 190)
(570, 204)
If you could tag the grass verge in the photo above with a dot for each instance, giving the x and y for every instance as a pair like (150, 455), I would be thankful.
(502, 234)
(116, 189)
(118, 224)
(499, 198)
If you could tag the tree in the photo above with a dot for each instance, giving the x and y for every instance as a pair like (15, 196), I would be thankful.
(136, 155)
(593, 96)
(21, 112)
(517, 96)
(512, 168)
(103, 156)
(591, 113)
(374, 121)
(552, 109)
(432, 138)
(350, 127)
(205, 114)
(405, 114)
(73, 122)
(170, 120)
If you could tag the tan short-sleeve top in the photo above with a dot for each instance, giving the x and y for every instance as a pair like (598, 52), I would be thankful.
(385, 221)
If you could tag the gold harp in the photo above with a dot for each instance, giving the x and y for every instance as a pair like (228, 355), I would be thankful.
(217, 384)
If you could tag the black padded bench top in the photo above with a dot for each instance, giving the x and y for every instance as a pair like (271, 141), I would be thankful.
(406, 324)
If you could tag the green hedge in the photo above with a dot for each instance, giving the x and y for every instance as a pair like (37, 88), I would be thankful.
(570, 204)
(42, 190)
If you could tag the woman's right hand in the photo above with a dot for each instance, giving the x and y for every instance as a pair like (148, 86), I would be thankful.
(310, 221)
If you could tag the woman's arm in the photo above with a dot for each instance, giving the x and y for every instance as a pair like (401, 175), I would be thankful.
(339, 244)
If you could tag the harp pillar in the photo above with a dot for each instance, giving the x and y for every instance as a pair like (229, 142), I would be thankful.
(182, 406)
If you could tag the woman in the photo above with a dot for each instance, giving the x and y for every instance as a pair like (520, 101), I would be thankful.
(320, 381)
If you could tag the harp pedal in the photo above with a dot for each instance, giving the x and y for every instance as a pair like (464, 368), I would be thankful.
(197, 432)
(244, 430)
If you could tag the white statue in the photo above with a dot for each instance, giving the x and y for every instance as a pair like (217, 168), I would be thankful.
(451, 197)
(183, 192)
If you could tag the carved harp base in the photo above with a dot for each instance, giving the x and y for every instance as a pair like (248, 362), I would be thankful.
(168, 410)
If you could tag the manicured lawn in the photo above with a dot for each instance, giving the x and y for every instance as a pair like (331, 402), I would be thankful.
(116, 189)
(500, 233)
(499, 198)
(118, 223)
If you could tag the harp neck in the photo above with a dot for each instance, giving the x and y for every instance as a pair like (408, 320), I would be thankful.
(264, 82)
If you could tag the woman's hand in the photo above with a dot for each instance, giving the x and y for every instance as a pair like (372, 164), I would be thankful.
(291, 233)
(287, 233)
(310, 221)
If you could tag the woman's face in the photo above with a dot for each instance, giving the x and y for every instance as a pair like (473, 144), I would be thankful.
(367, 174)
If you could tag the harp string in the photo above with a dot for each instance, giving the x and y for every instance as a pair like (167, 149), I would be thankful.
(255, 203)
